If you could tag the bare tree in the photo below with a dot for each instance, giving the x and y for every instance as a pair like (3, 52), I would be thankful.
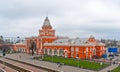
(33, 47)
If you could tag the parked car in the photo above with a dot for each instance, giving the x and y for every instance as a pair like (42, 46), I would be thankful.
(111, 55)
(116, 54)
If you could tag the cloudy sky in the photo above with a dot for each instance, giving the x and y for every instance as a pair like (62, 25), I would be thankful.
(74, 18)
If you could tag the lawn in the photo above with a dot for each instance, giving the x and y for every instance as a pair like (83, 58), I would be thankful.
(116, 69)
(73, 62)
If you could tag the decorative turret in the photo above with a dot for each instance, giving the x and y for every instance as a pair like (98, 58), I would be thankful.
(91, 36)
(91, 39)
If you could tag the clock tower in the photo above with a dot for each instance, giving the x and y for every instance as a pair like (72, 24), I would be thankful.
(46, 30)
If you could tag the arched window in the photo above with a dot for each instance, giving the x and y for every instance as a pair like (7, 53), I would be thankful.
(77, 55)
(61, 52)
(45, 50)
(55, 51)
(72, 48)
(72, 54)
(86, 49)
(50, 52)
(77, 49)
(94, 51)
(90, 49)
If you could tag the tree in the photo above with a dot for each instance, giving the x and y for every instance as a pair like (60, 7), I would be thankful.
(1, 37)
(1, 41)
(33, 47)
(4, 52)
(5, 47)
(18, 39)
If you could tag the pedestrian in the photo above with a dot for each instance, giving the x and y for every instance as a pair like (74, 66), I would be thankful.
(108, 71)
(119, 64)
(114, 62)
(59, 65)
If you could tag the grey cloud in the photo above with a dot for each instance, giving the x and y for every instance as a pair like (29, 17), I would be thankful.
(23, 9)
(17, 17)
(107, 21)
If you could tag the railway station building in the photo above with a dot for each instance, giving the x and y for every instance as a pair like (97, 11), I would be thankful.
(48, 43)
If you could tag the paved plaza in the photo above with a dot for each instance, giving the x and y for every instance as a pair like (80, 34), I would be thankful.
(27, 58)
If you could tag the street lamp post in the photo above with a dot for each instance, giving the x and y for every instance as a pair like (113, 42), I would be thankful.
(52, 58)
(78, 62)
(41, 50)
(110, 60)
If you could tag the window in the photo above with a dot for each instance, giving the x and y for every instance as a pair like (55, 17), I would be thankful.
(72, 54)
(86, 55)
(90, 56)
(101, 48)
(50, 52)
(45, 51)
(77, 49)
(72, 49)
(77, 55)
(94, 51)
(90, 49)
(61, 52)
(86, 49)
(55, 51)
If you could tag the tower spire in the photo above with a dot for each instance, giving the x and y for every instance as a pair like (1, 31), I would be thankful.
(46, 23)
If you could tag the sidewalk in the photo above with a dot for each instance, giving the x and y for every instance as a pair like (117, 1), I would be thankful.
(112, 66)
(64, 68)
(109, 68)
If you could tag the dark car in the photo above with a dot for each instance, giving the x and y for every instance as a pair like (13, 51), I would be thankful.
(116, 54)
(111, 55)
